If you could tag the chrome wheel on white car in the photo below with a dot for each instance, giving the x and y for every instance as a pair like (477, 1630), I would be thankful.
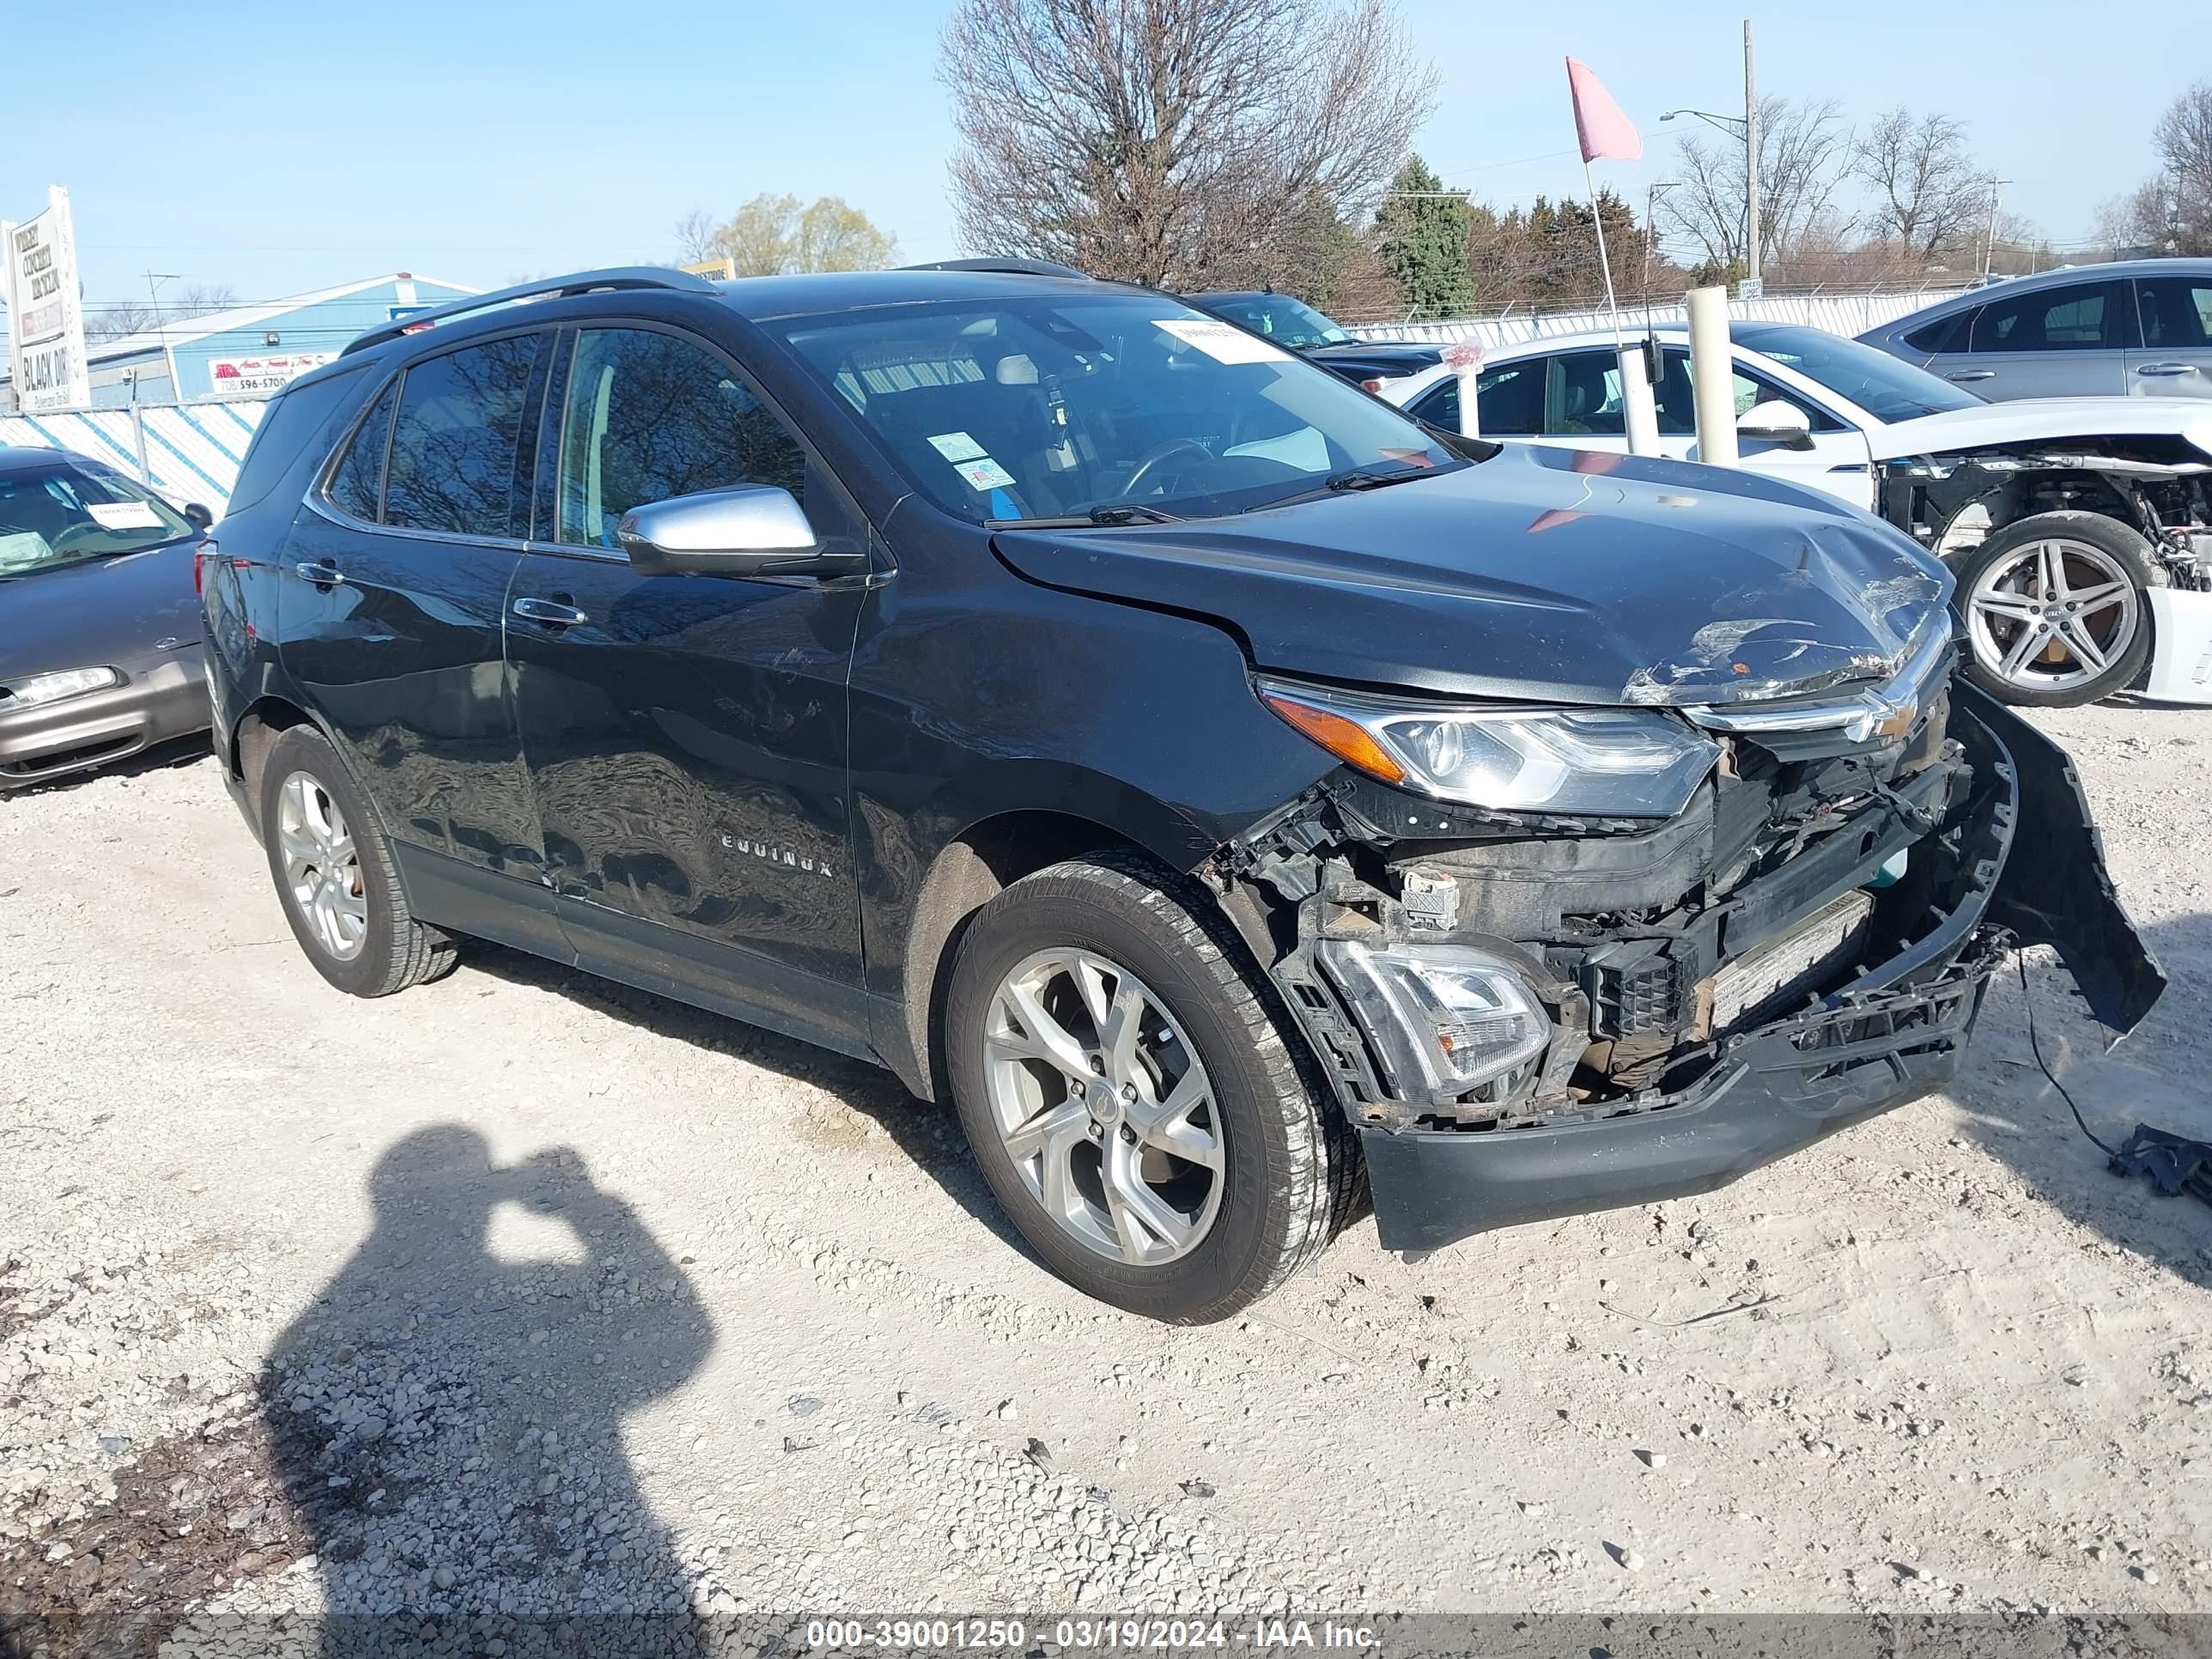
(2056, 613)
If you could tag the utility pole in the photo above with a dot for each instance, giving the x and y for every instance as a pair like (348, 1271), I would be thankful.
(1989, 243)
(1753, 284)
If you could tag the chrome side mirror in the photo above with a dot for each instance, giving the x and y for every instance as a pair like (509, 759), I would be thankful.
(1775, 422)
(751, 530)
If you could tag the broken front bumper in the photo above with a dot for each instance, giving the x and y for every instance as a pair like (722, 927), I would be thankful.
(2034, 870)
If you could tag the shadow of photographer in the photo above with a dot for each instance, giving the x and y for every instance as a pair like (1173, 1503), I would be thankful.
(448, 1415)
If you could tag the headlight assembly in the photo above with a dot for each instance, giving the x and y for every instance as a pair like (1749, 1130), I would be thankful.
(1592, 763)
(37, 689)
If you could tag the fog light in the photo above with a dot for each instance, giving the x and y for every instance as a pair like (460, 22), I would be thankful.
(1446, 1019)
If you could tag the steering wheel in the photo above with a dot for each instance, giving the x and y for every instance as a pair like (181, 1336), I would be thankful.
(1153, 457)
(72, 532)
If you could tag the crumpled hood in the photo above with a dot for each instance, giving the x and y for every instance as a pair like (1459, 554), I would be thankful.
(115, 612)
(1544, 575)
(2047, 421)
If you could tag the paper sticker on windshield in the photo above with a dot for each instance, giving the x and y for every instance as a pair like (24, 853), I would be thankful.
(123, 515)
(986, 474)
(956, 446)
(1223, 341)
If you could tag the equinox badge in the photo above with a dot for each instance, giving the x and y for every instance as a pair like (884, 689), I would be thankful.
(773, 854)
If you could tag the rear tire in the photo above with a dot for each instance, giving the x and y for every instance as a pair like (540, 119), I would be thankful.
(335, 875)
(2055, 609)
(1185, 1218)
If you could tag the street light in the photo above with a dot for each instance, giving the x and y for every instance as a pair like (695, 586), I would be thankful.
(1728, 124)
(1657, 188)
(1748, 130)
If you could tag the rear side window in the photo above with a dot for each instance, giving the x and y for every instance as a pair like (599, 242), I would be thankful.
(456, 439)
(357, 487)
(2090, 317)
(2177, 311)
(1945, 334)
(299, 414)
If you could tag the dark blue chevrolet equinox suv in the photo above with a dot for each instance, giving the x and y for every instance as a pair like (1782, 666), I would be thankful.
(1236, 798)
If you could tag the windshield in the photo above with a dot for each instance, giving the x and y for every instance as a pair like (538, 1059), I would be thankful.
(73, 511)
(1878, 383)
(1038, 407)
(1285, 321)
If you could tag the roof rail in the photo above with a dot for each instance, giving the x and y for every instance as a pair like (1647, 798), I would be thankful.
(557, 288)
(1003, 267)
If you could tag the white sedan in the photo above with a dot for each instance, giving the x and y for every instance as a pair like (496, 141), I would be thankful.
(2060, 514)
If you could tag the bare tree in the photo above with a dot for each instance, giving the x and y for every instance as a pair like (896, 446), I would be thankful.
(1929, 197)
(695, 237)
(2172, 213)
(1176, 142)
(111, 319)
(1804, 148)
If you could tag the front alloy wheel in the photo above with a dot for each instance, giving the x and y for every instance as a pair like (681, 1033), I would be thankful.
(1127, 1076)
(1103, 1109)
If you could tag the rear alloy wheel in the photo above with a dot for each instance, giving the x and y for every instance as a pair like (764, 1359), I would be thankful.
(335, 875)
(1128, 1079)
(2055, 608)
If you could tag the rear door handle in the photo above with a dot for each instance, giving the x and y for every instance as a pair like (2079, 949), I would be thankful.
(1974, 374)
(322, 575)
(548, 614)
(2167, 368)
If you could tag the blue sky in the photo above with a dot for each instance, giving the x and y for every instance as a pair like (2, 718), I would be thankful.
(292, 146)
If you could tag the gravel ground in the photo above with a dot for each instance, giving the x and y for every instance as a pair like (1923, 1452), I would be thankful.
(521, 1293)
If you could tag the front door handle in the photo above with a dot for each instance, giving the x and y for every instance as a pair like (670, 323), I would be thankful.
(548, 614)
(2167, 368)
(1974, 374)
(319, 572)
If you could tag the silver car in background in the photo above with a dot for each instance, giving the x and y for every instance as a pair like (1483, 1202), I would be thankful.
(2139, 328)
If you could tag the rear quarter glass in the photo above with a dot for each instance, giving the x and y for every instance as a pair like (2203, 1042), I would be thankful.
(297, 417)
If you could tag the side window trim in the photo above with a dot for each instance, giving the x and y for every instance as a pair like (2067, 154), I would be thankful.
(544, 517)
(318, 497)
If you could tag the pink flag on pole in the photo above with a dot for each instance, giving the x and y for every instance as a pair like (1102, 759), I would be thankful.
(1606, 133)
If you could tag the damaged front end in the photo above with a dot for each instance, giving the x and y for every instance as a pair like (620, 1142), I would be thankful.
(1531, 1014)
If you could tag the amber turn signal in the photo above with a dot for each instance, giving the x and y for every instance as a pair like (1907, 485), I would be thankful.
(1349, 742)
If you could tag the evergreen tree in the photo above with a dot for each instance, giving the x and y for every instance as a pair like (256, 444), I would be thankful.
(1422, 237)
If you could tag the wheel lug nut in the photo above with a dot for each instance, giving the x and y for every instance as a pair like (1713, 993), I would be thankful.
(1129, 1134)
(1128, 1091)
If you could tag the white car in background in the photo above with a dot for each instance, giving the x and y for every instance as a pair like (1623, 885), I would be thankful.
(2059, 515)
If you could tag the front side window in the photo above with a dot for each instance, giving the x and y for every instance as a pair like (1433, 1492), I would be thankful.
(456, 440)
(2177, 312)
(1944, 334)
(648, 416)
(2091, 317)
(72, 511)
(1046, 407)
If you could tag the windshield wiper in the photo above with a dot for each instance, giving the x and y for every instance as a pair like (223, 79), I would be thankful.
(1113, 512)
(1338, 483)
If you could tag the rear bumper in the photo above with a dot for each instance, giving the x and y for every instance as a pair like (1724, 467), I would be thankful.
(167, 700)
(2033, 868)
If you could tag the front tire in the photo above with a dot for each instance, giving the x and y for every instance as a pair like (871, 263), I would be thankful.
(2056, 609)
(1128, 1080)
(335, 875)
